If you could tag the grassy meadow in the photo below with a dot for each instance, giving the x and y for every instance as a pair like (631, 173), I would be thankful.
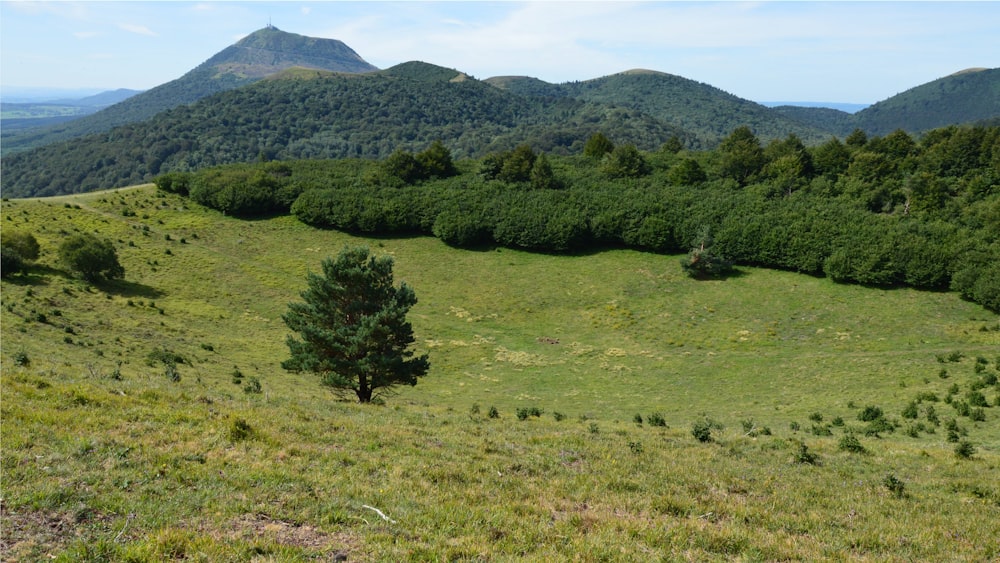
(524, 441)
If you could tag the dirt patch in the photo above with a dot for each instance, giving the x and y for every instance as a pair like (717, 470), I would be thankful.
(341, 547)
(34, 534)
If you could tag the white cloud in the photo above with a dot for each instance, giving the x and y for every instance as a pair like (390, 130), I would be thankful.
(137, 29)
(306, 10)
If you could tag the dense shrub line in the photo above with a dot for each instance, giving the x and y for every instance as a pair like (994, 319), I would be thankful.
(883, 212)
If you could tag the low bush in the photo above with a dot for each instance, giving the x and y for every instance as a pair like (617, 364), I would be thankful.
(850, 443)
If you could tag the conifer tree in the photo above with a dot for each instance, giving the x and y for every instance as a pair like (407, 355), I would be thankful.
(352, 327)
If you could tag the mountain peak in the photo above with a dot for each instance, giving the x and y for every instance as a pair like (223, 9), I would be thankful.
(269, 50)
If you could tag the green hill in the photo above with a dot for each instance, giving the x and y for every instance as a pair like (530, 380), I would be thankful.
(332, 116)
(262, 53)
(968, 97)
(963, 97)
(108, 455)
(708, 113)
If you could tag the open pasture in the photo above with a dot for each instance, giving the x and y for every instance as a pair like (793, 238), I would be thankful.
(109, 455)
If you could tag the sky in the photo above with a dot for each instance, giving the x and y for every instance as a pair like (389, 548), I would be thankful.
(848, 52)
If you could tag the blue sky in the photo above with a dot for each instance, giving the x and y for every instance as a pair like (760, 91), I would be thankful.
(859, 52)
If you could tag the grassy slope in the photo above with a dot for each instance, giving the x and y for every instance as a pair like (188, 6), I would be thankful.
(144, 468)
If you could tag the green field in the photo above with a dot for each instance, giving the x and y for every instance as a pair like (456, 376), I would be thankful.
(104, 457)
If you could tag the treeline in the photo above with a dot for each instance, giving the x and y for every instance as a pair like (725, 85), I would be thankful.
(883, 211)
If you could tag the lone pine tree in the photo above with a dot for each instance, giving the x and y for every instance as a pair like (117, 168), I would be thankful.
(352, 326)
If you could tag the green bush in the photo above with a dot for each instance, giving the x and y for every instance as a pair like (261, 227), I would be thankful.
(803, 455)
(524, 412)
(93, 258)
(964, 449)
(702, 429)
(870, 413)
(895, 486)
(850, 443)
(253, 386)
(17, 251)
(240, 431)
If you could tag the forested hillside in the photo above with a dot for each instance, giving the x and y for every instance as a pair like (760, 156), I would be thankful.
(262, 53)
(884, 211)
(707, 113)
(964, 97)
(325, 115)
(970, 96)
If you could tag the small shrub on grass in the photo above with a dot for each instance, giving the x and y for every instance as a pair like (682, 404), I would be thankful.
(932, 416)
(794, 426)
(635, 447)
(928, 396)
(803, 455)
(816, 417)
(558, 416)
(207, 347)
(955, 356)
(943, 374)
(656, 419)
(637, 419)
(21, 359)
(976, 399)
(870, 413)
(524, 412)
(237, 376)
(253, 386)
(474, 410)
(593, 429)
(165, 357)
(964, 449)
(850, 443)
(961, 408)
(702, 429)
(977, 415)
(911, 410)
(837, 421)
(879, 426)
(821, 430)
(240, 431)
(493, 412)
(895, 486)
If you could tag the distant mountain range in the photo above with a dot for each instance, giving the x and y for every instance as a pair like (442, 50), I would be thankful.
(280, 95)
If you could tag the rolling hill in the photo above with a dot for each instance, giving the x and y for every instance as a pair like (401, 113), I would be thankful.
(260, 54)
